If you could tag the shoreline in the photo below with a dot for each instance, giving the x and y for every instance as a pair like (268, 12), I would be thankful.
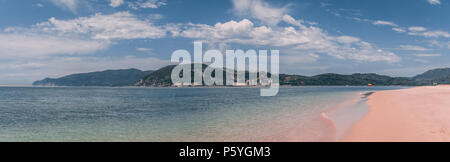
(343, 115)
(418, 114)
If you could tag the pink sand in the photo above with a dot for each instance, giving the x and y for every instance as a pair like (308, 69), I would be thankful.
(414, 114)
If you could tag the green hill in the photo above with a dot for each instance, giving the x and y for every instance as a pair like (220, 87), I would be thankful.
(440, 76)
(162, 77)
(112, 78)
(339, 79)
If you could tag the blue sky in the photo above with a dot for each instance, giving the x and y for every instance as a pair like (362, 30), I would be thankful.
(52, 38)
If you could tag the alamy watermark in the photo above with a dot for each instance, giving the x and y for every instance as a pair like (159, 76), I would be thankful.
(235, 68)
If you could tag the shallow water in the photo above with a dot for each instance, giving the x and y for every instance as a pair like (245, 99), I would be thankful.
(178, 114)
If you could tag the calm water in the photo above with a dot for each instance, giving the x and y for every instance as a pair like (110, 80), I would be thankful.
(178, 114)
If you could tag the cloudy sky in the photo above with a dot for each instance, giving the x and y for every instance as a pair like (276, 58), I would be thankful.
(52, 38)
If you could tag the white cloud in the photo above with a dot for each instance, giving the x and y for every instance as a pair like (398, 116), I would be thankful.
(400, 30)
(438, 44)
(70, 5)
(434, 2)
(155, 17)
(433, 34)
(422, 31)
(259, 10)
(39, 5)
(359, 50)
(38, 45)
(427, 55)
(347, 39)
(299, 58)
(381, 22)
(120, 25)
(75, 36)
(116, 3)
(417, 28)
(143, 49)
(27, 65)
(305, 39)
(413, 48)
(360, 19)
(412, 30)
(421, 60)
(146, 4)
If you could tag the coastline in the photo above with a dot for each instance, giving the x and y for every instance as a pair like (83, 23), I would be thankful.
(415, 114)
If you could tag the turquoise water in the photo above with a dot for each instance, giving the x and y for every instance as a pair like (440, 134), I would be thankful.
(178, 114)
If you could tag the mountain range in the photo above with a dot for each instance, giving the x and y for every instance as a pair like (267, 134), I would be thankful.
(109, 78)
(441, 75)
(162, 78)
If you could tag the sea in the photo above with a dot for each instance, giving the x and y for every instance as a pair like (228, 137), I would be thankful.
(322, 113)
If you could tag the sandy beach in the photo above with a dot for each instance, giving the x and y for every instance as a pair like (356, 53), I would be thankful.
(414, 114)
